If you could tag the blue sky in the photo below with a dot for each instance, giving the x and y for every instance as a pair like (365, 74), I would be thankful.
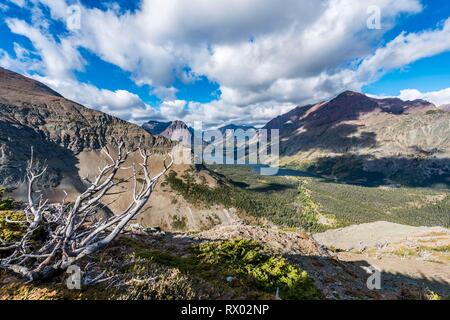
(428, 74)
(226, 61)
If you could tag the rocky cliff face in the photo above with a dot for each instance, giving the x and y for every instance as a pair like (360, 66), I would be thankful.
(355, 133)
(156, 127)
(235, 127)
(174, 130)
(33, 115)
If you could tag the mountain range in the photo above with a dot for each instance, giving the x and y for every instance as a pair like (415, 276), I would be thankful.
(353, 137)
(357, 138)
(68, 138)
(166, 129)
(33, 115)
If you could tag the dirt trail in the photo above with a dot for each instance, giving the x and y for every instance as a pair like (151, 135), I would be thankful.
(339, 276)
(406, 255)
(359, 237)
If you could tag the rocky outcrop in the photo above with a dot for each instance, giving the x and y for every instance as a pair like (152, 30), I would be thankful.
(156, 127)
(235, 127)
(33, 115)
(357, 133)
(175, 130)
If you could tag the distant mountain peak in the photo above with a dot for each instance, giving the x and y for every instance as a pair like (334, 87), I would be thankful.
(235, 127)
(167, 129)
(350, 93)
(309, 125)
(445, 107)
(33, 115)
(13, 83)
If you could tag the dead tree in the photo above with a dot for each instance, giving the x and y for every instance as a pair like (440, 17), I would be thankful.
(57, 236)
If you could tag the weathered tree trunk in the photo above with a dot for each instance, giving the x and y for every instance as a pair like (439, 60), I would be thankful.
(69, 237)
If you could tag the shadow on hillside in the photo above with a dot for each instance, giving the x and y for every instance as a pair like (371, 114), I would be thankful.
(272, 187)
(339, 138)
(374, 172)
(325, 128)
(17, 142)
(348, 280)
(353, 276)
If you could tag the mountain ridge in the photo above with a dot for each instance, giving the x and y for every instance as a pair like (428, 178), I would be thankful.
(381, 137)
(32, 114)
(176, 130)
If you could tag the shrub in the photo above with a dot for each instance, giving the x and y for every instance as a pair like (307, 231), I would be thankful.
(282, 211)
(269, 272)
(5, 204)
(433, 112)
(431, 295)
(11, 232)
(179, 223)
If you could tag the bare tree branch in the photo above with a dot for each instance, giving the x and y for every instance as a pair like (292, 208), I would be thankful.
(66, 233)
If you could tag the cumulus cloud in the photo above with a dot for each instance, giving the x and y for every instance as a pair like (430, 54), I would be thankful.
(266, 56)
(247, 46)
(405, 49)
(119, 103)
(216, 113)
(175, 109)
(439, 98)
(23, 61)
(19, 3)
(58, 60)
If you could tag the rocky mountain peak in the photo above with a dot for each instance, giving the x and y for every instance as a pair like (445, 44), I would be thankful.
(235, 127)
(175, 130)
(445, 107)
(32, 114)
(12, 85)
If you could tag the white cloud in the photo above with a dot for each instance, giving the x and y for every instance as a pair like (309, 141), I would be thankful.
(23, 62)
(165, 93)
(439, 98)
(120, 103)
(19, 3)
(175, 109)
(297, 39)
(216, 113)
(58, 60)
(405, 49)
(266, 56)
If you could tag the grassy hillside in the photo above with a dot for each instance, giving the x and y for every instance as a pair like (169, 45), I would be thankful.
(348, 204)
(356, 204)
(271, 199)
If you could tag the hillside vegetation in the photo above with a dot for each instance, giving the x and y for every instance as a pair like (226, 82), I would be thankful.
(138, 270)
(275, 205)
(356, 204)
(299, 202)
(5, 203)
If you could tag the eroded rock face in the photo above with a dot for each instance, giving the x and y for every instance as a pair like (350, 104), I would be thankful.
(33, 115)
(175, 130)
(388, 137)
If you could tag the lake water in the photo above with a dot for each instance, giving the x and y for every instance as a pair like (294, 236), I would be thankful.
(282, 172)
